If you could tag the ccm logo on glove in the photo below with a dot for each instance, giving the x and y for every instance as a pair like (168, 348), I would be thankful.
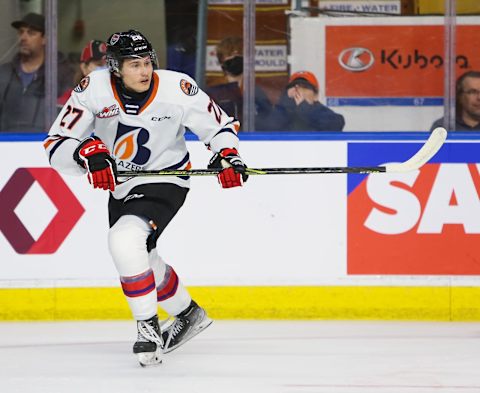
(95, 148)
(93, 155)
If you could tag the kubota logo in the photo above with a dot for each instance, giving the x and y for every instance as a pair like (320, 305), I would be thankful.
(356, 59)
(69, 211)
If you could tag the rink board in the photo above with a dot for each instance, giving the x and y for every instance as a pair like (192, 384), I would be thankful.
(303, 247)
(275, 303)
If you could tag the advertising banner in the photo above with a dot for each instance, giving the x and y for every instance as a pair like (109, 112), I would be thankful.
(287, 230)
(268, 58)
(392, 64)
(422, 222)
(362, 6)
(273, 231)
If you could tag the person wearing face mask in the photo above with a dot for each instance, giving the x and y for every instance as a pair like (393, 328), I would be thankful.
(300, 110)
(230, 95)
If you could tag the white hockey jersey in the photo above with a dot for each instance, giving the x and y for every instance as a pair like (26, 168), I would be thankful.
(145, 137)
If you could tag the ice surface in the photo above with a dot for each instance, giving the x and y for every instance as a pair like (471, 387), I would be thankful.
(247, 357)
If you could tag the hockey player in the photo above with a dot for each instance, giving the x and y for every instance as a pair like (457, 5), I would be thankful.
(133, 117)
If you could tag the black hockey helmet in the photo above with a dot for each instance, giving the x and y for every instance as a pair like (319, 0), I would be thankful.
(128, 44)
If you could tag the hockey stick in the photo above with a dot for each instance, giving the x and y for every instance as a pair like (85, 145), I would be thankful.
(426, 152)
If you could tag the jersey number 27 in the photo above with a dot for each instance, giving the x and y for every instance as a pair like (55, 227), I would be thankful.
(75, 112)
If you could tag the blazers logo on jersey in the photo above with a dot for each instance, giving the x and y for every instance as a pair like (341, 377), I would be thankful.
(82, 85)
(130, 144)
(110, 111)
(188, 88)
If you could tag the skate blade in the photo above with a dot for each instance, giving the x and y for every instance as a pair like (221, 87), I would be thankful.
(199, 328)
(147, 359)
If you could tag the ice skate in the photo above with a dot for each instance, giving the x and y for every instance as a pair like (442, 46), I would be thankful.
(185, 326)
(149, 344)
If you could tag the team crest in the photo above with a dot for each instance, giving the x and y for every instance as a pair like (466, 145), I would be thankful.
(82, 85)
(129, 147)
(188, 88)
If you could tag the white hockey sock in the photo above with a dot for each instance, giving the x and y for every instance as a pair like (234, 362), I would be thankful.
(127, 244)
(172, 296)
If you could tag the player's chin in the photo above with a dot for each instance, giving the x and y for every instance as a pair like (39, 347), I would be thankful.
(143, 86)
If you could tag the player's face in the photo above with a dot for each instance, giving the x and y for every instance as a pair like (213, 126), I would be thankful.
(470, 98)
(31, 42)
(137, 74)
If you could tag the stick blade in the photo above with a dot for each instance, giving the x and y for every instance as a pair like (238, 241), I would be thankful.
(425, 154)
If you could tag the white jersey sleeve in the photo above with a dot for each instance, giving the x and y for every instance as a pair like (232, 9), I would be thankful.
(206, 119)
(73, 124)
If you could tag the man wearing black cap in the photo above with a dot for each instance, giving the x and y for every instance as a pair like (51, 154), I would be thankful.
(22, 81)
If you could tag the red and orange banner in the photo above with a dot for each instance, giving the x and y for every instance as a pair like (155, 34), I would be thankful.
(394, 61)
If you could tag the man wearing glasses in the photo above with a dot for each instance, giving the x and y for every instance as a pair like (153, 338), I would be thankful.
(467, 103)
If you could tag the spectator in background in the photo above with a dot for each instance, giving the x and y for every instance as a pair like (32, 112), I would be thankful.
(467, 111)
(181, 28)
(230, 95)
(181, 53)
(299, 109)
(22, 81)
(93, 57)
